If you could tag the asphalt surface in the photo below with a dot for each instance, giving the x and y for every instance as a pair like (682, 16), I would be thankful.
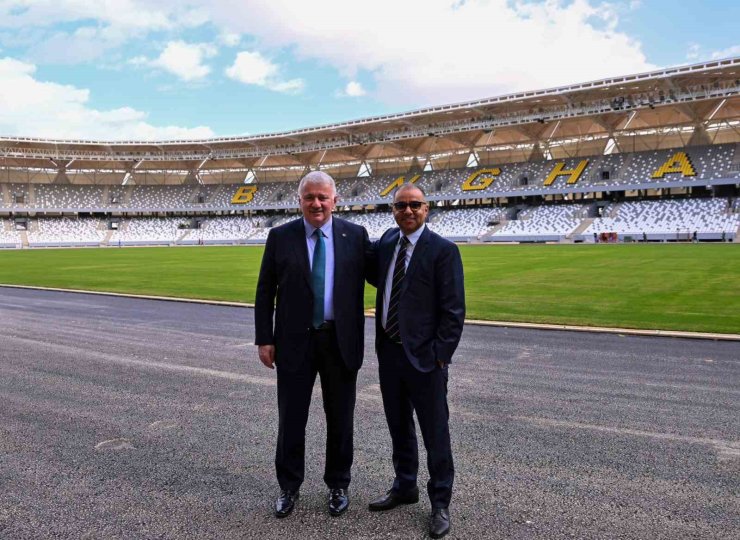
(130, 418)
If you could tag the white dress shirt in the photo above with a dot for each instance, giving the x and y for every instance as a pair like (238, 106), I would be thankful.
(413, 238)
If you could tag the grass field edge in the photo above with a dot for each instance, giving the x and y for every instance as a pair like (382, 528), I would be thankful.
(371, 313)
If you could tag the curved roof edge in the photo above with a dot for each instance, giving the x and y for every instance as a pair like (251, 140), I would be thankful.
(732, 62)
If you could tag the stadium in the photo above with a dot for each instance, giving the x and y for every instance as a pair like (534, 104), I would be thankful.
(645, 157)
(613, 203)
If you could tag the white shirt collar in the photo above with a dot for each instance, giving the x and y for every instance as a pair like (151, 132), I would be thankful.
(414, 236)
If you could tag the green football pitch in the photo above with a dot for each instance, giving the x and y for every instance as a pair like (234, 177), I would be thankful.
(694, 287)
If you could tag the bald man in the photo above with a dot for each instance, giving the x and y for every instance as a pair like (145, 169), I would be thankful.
(420, 311)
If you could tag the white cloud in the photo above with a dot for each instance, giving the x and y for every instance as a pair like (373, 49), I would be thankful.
(30, 107)
(454, 51)
(229, 39)
(253, 68)
(293, 86)
(139, 61)
(354, 89)
(85, 44)
(185, 60)
(693, 52)
(114, 23)
(124, 13)
(726, 53)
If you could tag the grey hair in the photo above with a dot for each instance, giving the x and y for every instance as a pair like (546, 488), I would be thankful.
(317, 177)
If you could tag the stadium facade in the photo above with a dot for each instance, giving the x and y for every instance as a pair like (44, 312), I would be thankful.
(652, 156)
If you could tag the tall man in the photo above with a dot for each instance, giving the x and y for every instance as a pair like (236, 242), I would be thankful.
(315, 268)
(419, 320)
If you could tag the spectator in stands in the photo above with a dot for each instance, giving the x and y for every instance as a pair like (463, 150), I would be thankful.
(315, 267)
(420, 312)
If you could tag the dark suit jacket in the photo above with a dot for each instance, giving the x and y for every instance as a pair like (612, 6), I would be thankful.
(285, 276)
(432, 305)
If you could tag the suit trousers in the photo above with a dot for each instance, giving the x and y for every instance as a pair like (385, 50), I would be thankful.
(338, 389)
(405, 390)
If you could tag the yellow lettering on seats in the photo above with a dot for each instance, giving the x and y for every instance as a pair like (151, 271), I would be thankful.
(572, 174)
(677, 163)
(398, 182)
(474, 182)
(244, 195)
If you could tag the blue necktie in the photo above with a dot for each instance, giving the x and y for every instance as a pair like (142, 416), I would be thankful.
(318, 271)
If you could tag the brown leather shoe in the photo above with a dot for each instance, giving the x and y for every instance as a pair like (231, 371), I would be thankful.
(392, 498)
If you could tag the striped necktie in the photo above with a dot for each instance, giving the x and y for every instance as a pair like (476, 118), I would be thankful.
(399, 271)
(318, 271)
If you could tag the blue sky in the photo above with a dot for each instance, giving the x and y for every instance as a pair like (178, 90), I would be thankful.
(166, 69)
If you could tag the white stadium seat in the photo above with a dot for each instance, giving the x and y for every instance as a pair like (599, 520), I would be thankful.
(230, 213)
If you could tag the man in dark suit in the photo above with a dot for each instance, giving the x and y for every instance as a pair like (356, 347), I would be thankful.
(420, 312)
(312, 282)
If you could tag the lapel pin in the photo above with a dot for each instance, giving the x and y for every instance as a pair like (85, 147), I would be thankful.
(344, 234)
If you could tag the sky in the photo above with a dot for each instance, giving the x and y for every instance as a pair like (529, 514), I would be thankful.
(193, 69)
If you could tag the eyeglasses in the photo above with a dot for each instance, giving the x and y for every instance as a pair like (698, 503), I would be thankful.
(401, 206)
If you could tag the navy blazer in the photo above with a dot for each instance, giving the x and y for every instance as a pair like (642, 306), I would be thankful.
(431, 312)
(284, 291)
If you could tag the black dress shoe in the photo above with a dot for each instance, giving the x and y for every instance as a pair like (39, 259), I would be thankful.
(392, 499)
(285, 503)
(440, 524)
(338, 501)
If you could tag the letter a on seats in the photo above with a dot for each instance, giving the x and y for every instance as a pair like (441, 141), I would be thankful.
(677, 163)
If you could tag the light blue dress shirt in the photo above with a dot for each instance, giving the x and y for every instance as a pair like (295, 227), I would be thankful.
(326, 230)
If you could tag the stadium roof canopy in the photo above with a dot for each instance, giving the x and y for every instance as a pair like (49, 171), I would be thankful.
(689, 105)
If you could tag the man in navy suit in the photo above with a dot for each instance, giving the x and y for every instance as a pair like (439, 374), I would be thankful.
(420, 312)
(309, 320)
